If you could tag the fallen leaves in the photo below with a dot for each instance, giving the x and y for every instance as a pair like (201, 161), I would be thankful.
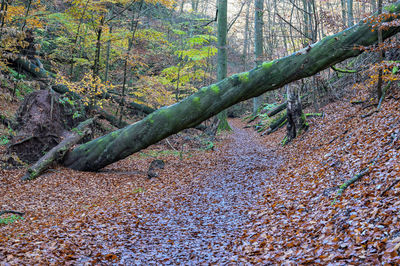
(242, 203)
(303, 222)
(194, 211)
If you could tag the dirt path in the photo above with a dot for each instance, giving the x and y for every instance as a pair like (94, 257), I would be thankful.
(199, 223)
(193, 214)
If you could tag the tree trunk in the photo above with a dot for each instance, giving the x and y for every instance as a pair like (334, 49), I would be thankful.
(134, 25)
(350, 13)
(380, 56)
(96, 63)
(181, 7)
(246, 37)
(211, 100)
(373, 5)
(258, 43)
(222, 58)
(296, 119)
(77, 36)
(108, 55)
(343, 3)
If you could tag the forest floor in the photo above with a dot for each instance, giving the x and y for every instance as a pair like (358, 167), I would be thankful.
(194, 212)
(248, 201)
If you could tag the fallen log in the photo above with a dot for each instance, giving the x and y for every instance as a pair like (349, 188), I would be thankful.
(277, 109)
(12, 212)
(211, 100)
(282, 107)
(352, 180)
(110, 118)
(59, 151)
(343, 70)
(277, 124)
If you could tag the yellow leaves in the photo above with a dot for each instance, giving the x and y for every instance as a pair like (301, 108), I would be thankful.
(389, 74)
(167, 3)
(89, 88)
(13, 12)
(151, 35)
(18, 13)
(151, 89)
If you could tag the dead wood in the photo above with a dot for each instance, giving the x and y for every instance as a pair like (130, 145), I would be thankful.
(12, 212)
(58, 152)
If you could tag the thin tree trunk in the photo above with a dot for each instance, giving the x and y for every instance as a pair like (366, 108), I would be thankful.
(133, 29)
(28, 8)
(258, 43)
(108, 56)
(3, 9)
(246, 37)
(343, 3)
(373, 4)
(380, 58)
(222, 56)
(306, 21)
(71, 71)
(96, 63)
(108, 48)
(350, 13)
(296, 119)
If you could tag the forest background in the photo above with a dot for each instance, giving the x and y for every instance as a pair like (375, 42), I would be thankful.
(120, 60)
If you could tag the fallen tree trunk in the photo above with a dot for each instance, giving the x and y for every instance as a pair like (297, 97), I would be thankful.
(12, 212)
(277, 109)
(58, 152)
(211, 100)
(277, 124)
(283, 106)
(112, 119)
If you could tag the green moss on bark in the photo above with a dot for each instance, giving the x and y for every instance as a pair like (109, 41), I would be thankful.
(244, 77)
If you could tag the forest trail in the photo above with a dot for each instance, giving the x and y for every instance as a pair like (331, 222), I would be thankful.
(193, 214)
(199, 223)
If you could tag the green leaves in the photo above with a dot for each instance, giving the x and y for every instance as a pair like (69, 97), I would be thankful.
(10, 219)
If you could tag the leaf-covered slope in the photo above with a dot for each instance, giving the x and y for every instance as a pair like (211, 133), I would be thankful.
(304, 220)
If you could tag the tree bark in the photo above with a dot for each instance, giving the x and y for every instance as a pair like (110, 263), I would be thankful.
(344, 20)
(295, 117)
(222, 57)
(258, 43)
(380, 56)
(211, 100)
(246, 38)
(350, 13)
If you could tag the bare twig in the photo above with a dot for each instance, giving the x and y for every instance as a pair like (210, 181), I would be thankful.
(390, 187)
(12, 212)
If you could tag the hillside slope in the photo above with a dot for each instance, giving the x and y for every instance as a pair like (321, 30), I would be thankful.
(304, 220)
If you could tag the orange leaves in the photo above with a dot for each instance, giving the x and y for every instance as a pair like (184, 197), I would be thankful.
(357, 229)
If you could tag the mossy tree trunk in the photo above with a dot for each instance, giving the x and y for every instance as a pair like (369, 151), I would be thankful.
(211, 100)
